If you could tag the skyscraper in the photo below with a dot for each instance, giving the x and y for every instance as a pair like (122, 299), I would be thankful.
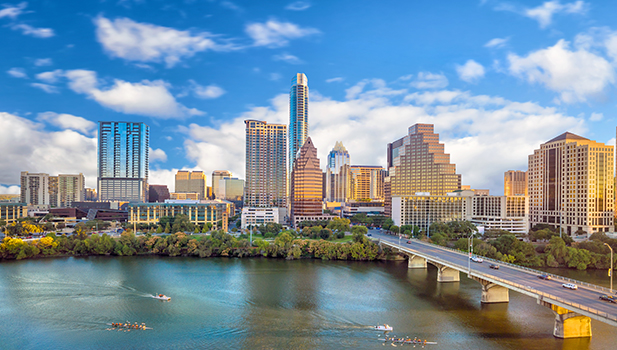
(418, 163)
(367, 182)
(338, 177)
(123, 161)
(298, 115)
(191, 182)
(35, 188)
(71, 188)
(571, 185)
(266, 164)
(306, 184)
(53, 191)
(515, 183)
(217, 175)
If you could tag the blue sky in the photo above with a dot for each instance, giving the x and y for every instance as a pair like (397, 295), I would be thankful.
(497, 78)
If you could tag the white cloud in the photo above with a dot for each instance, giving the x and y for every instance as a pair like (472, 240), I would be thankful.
(203, 92)
(335, 80)
(167, 177)
(17, 73)
(148, 98)
(50, 89)
(27, 29)
(275, 34)
(285, 57)
(157, 155)
(544, 13)
(13, 11)
(298, 6)
(470, 72)
(144, 42)
(10, 189)
(497, 42)
(43, 62)
(27, 146)
(230, 5)
(68, 121)
(576, 75)
(51, 76)
(428, 80)
(595, 117)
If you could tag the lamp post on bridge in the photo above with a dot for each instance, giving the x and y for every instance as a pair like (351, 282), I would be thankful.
(610, 272)
(470, 252)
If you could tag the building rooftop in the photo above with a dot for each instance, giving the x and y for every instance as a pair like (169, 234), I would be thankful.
(567, 136)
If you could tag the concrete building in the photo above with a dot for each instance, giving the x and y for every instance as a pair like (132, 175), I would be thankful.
(571, 185)
(367, 182)
(338, 176)
(158, 193)
(91, 195)
(370, 208)
(71, 188)
(515, 183)
(35, 189)
(11, 212)
(123, 161)
(508, 213)
(266, 164)
(298, 115)
(217, 175)
(252, 217)
(45, 191)
(199, 213)
(306, 185)
(191, 182)
(230, 189)
(194, 196)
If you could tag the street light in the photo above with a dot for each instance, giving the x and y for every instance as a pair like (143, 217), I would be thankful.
(470, 251)
(610, 272)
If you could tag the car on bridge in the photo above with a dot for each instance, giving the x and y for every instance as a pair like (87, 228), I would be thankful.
(494, 266)
(544, 277)
(609, 298)
(570, 286)
(409, 242)
(477, 260)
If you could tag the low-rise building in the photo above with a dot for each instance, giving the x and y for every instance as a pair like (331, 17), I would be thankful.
(370, 208)
(10, 212)
(198, 212)
(252, 217)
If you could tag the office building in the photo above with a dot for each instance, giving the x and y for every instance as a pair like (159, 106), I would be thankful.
(198, 212)
(306, 185)
(11, 212)
(70, 188)
(217, 175)
(158, 193)
(338, 176)
(254, 217)
(298, 115)
(35, 188)
(230, 189)
(123, 161)
(266, 164)
(367, 182)
(570, 185)
(191, 182)
(194, 196)
(515, 183)
(91, 195)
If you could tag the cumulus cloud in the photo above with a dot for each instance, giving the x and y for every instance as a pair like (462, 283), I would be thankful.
(485, 135)
(50, 77)
(285, 57)
(470, 72)
(206, 92)
(50, 89)
(575, 74)
(68, 121)
(144, 42)
(148, 98)
(275, 34)
(497, 42)
(545, 12)
(10, 189)
(157, 155)
(428, 80)
(43, 62)
(298, 6)
(17, 73)
(27, 146)
(335, 80)
(27, 29)
(595, 117)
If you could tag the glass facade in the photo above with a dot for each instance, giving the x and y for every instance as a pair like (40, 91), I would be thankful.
(298, 115)
(338, 176)
(306, 183)
(367, 182)
(515, 183)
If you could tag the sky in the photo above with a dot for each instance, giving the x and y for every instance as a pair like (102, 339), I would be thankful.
(497, 78)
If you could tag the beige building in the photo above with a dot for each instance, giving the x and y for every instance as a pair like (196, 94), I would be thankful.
(515, 183)
(266, 164)
(570, 181)
(71, 188)
(43, 190)
(306, 185)
(199, 213)
(10, 212)
(217, 175)
(230, 189)
(184, 196)
(191, 182)
(367, 182)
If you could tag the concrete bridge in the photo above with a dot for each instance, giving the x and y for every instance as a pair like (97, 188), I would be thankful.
(573, 309)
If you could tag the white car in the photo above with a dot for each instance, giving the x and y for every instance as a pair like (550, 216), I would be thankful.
(570, 286)
(476, 259)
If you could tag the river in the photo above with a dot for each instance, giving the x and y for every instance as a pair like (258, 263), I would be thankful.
(218, 303)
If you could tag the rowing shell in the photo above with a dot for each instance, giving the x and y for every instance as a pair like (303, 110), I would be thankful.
(396, 341)
(129, 327)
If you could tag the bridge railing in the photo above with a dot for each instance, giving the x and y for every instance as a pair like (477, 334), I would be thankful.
(519, 267)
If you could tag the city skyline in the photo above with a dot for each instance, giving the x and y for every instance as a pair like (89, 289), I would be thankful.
(493, 97)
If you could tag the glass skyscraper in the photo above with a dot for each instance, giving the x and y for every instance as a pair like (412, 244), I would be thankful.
(298, 115)
(123, 161)
(338, 180)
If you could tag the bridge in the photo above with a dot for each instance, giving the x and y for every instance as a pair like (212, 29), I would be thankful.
(573, 309)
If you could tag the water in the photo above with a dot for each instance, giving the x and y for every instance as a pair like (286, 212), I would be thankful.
(67, 303)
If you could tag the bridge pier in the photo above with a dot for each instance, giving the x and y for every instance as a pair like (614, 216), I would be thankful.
(493, 293)
(416, 262)
(569, 324)
(446, 274)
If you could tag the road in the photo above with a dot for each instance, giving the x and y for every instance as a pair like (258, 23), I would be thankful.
(588, 297)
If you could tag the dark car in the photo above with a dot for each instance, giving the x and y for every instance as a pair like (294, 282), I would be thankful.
(494, 266)
(369, 234)
(544, 277)
(409, 242)
(609, 298)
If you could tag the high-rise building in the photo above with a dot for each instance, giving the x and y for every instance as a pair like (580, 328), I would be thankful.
(298, 115)
(35, 188)
(306, 185)
(266, 164)
(338, 176)
(91, 195)
(230, 189)
(191, 182)
(418, 163)
(123, 161)
(71, 188)
(571, 185)
(515, 183)
(158, 193)
(216, 176)
(367, 182)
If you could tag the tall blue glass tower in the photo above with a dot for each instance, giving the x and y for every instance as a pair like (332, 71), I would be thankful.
(298, 116)
(123, 161)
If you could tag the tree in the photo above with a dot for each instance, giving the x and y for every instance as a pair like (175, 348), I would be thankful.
(394, 229)
(387, 223)
(159, 229)
(167, 228)
(182, 223)
(325, 233)
(557, 248)
(339, 224)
